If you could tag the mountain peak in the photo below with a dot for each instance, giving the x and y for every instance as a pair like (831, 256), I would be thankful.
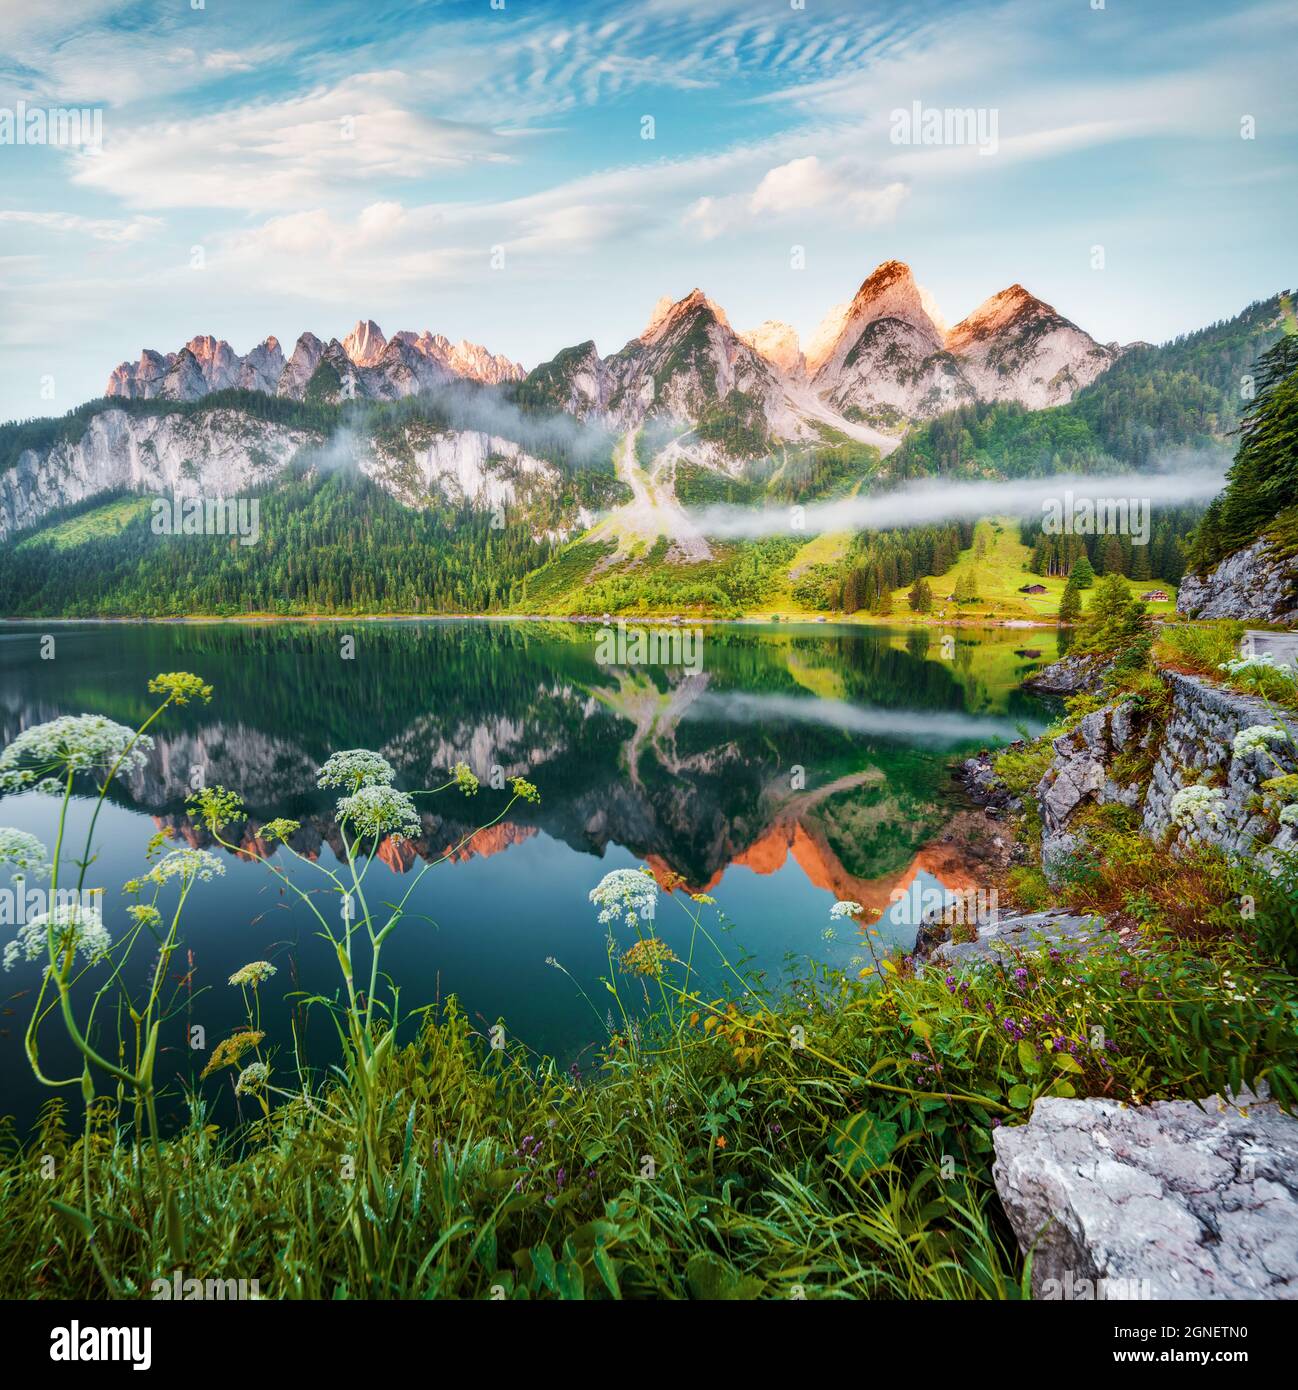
(668, 310)
(778, 343)
(993, 314)
(205, 348)
(888, 271)
(365, 343)
(889, 284)
(888, 292)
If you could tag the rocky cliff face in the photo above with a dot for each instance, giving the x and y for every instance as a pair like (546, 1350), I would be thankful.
(883, 358)
(891, 351)
(458, 466)
(1256, 584)
(226, 454)
(1193, 745)
(219, 454)
(778, 344)
(688, 366)
(1014, 347)
(888, 355)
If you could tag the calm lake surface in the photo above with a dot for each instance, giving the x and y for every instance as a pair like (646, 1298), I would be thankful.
(799, 765)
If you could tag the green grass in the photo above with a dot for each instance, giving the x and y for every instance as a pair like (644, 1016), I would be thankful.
(564, 576)
(1001, 571)
(96, 524)
(700, 1162)
(740, 577)
(763, 578)
(1202, 648)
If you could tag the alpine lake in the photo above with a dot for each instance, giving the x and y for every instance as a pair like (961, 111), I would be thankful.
(785, 766)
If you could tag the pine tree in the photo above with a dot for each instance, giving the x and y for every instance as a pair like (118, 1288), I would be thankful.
(966, 586)
(1114, 620)
(1111, 556)
(1263, 480)
(1070, 604)
(1083, 573)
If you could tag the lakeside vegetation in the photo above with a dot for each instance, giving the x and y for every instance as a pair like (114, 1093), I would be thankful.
(825, 1138)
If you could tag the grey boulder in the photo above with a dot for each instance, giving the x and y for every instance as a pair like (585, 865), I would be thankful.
(1165, 1201)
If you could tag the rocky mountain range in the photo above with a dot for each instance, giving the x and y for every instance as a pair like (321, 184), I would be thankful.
(878, 361)
(364, 364)
(474, 428)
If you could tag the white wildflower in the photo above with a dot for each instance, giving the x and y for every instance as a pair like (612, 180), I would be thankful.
(356, 768)
(625, 895)
(845, 907)
(1256, 666)
(380, 810)
(251, 1079)
(71, 743)
(24, 852)
(72, 925)
(253, 973)
(1258, 736)
(1192, 803)
(186, 864)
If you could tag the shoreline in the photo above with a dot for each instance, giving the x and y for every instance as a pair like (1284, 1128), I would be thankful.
(582, 619)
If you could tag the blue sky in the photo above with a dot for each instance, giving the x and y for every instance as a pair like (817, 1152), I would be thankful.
(335, 161)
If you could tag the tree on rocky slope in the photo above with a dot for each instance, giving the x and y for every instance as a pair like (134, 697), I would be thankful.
(1070, 603)
(1263, 480)
(1115, 620)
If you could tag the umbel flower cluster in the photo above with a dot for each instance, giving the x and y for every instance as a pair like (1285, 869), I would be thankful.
(1254, 665)
(253, 973)
(75, 927)
(1258, 736)
(23, 853)
(628, 895)
(65, 747)
(374, 807)
(1192, 804)
(376, 810)
(356, 768)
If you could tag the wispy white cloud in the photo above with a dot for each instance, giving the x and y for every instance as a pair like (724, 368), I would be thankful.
(286, 153)
(98, 228)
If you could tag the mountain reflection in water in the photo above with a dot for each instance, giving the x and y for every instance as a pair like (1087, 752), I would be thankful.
(799, 765)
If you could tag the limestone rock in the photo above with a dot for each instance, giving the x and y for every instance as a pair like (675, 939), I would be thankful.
(1256, 584)
(1166, 1200)
(1003, 934)
(1197, 745)
(1069, 675)
(1081, 773)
